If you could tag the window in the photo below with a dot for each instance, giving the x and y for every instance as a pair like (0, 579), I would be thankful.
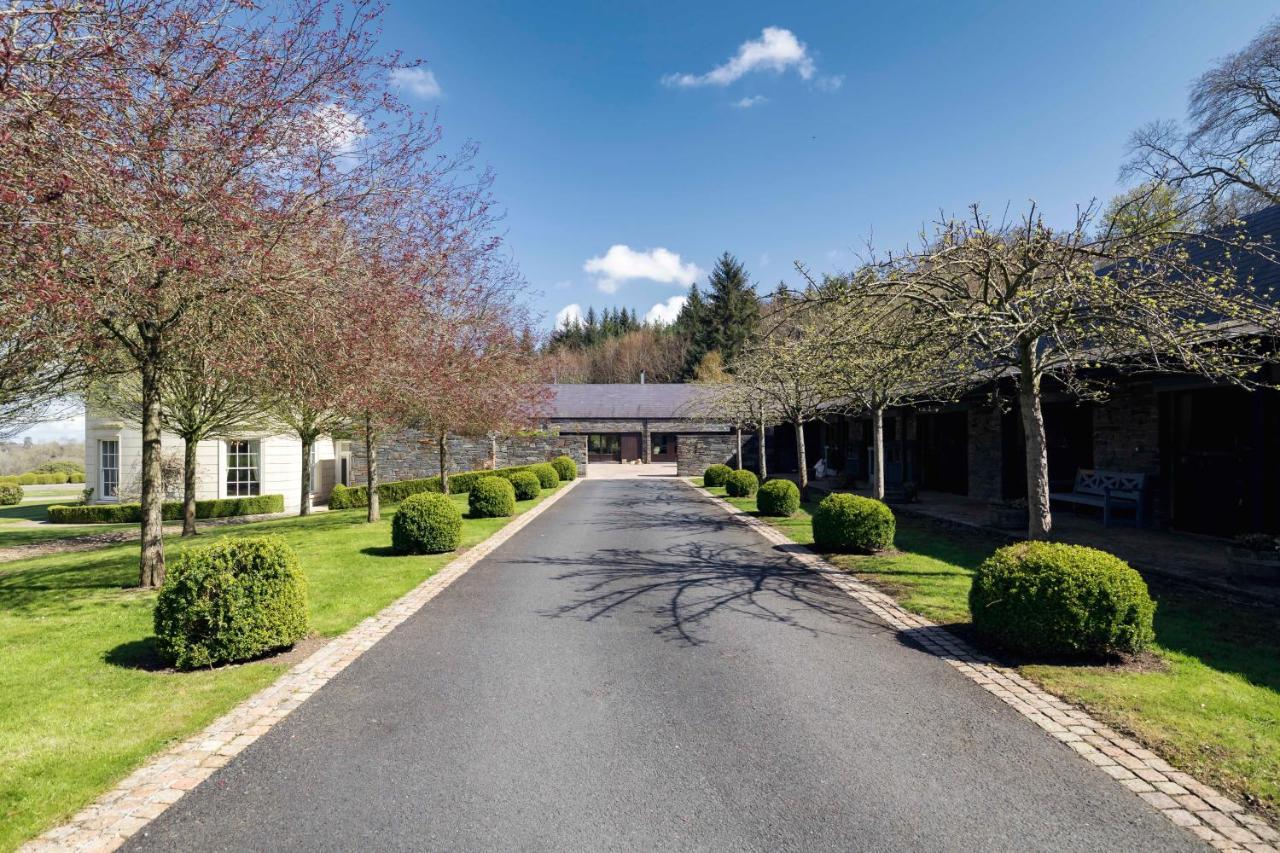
(242, 469)
(108, 469)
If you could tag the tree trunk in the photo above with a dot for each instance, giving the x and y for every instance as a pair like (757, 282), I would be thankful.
(151, 565)
(877, 452)
(738, 431)
(1039, 519)
(444, 462)
(804, 466)
(304, 505)
(371, 455)
(189, 445)
(764, 466)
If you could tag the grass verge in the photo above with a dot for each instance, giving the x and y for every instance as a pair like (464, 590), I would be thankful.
(82, 701)
(1211, 706)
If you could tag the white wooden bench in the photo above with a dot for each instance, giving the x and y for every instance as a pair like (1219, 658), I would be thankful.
(1110, 491)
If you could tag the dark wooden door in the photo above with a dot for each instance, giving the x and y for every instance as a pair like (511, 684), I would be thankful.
(630, 446)
(943, 439)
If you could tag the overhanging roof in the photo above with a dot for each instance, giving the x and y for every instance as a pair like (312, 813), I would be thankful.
(650, 400)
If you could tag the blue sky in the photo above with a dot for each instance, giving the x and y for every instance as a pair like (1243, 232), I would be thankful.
(580, 110)
(939, 105)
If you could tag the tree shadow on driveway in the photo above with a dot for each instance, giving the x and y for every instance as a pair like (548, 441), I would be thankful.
(683, 586)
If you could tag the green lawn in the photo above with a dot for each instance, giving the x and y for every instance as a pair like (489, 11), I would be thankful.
(1211, 706)
(81, 703)
(14, 530)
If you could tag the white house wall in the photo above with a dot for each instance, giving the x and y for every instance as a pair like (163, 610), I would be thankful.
(279, 462)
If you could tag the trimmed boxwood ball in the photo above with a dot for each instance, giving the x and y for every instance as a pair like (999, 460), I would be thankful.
(851, 523)
(1048, 598)
(426, 523)
(778, 498)
(715, 475)
(741, 484)
(526, 485)
(546, 474)
(491, 497)
(231, 600)
(565, 467)
(10, 494)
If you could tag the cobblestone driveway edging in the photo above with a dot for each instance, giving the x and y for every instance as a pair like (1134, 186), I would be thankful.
(145, 793)
(1212, 817)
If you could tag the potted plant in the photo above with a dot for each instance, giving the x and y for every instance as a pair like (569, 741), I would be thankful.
(1255, 556)
(1010, 514)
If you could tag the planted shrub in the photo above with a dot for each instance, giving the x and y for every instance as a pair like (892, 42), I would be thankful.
(27, 479)
(741, 484)
(339, 497)
(491, 497)
(525, 484)
(1048, 598)
(75, 477)
(231, 600)
(426, 524)
(565, 467)
(715, 475)
(171, 510)
(778, 498)
(546, 474)
(10, 494)
(850, 523)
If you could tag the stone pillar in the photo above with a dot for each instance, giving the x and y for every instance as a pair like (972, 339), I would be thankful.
(646, 448)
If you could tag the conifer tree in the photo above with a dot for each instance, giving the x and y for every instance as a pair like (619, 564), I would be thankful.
(733, 309)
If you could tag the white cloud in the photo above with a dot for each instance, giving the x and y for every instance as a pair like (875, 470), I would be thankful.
(748, 103)
(623, 263)
(776, 50)
(340, 130)
(419, 81)
(568, 315)
(62, 429)
(665, 313)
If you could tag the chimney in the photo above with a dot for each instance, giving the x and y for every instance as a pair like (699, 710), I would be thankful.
(642, 377)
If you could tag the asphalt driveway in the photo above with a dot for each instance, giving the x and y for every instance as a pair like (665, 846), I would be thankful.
(635, 671)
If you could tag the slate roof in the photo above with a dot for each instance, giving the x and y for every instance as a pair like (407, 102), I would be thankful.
(650, 400)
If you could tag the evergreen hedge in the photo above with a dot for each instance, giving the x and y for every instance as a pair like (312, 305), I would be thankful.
(10, 494)
(131, 513)
(715, 475)
(231, 600)
(546, 474)
(526, 485)
(565, 467)
(844, 523)
(741, 484)
(779, 498)
(491, 497)
(1049, 598)
(395, 491)
(426, 524)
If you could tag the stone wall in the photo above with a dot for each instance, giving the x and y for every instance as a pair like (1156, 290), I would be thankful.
(694, 452)
(413, 454)
(985, 480)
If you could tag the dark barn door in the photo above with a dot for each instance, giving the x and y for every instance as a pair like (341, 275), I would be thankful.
(943, 439)
(630, 446)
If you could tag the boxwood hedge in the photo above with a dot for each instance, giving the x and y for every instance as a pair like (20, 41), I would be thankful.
(231, 600)
(851, 523)
(395, 491)
(778, 498)
(565, 467)
(715, 475)
(491, 497)
(741, 484)
(131, 513)
(10, 494)
(526, 485)
(1049, 598)
(426, 524)
(546, 473)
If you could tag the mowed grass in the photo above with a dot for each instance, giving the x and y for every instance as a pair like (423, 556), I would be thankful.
(81, 700)
(1211, 705)
(15, 529)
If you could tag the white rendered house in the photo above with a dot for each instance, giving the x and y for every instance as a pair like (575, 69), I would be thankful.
(255, 463)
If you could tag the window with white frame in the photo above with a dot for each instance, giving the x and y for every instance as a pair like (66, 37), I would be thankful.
(108, 468)
(242, 469)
